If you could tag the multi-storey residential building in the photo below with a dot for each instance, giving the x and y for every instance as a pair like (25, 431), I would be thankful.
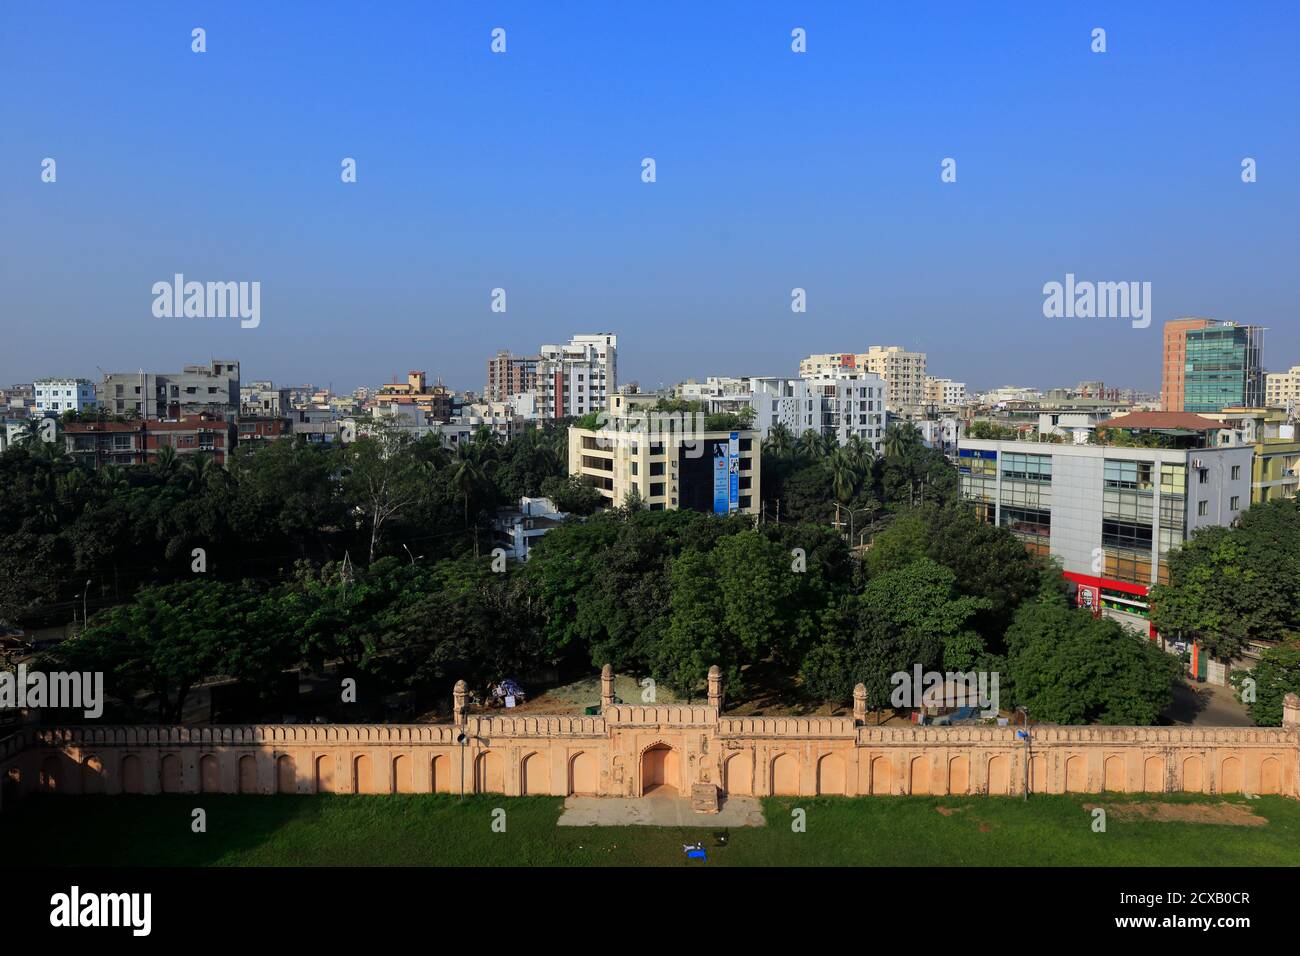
(263, 398)
(840, 404)
(774, 400)
(578, 377)
(1109, 514)
(59, 395)
(1282, 389)
(1272, 433)
(902, 371)
(434, 401)
(518, 529)
(944, 392)
(509, 375)
(138, 443)
(1210, 365)
(211, 389)
(672, 462)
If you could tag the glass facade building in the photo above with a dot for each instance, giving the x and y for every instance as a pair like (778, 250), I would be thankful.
(1223, 368)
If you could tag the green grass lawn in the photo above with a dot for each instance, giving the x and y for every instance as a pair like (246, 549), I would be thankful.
(423, 830)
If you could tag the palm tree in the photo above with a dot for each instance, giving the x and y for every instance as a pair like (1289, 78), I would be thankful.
(779, 440)
(468, 474)
(844, 475)
(164, 462)
(113, 478)
(810, 445)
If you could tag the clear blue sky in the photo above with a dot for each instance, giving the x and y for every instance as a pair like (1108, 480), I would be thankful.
(522, 171)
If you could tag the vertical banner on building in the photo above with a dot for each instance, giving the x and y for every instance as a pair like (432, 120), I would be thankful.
(733, 471)
(721, 483)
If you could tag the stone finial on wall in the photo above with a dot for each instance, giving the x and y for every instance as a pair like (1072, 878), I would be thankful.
(860, 703)
(459, 697)
(715, 686)
(607, 686)
(1291, 711)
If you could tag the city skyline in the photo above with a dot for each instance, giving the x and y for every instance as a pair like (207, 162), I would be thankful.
(476, 171)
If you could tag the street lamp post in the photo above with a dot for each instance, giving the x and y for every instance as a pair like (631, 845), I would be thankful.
(1029, 747)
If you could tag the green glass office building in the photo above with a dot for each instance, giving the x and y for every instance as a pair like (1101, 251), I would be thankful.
(1223, 367)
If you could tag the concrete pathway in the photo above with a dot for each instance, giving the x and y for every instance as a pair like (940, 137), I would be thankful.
(658, 811)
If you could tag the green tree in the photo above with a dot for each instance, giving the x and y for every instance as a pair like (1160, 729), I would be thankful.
(1069, 667)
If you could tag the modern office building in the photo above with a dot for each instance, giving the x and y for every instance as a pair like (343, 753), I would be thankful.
(211, 389)
(672, 461)
(1211, 365)
(58, 395)
(1109, 514)
(1223, 367)
(1175, 361)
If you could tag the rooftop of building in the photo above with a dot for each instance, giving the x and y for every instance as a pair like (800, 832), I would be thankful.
(1164, 421)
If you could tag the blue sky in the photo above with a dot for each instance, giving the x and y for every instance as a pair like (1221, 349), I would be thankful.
(523, 171)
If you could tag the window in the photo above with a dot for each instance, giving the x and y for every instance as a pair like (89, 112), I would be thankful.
(1128, 535)
(1202, 508)
(1236, 472)
(656, 468)
(1027, 467)
(1234, 503)
(656, 489)
(1134, 475)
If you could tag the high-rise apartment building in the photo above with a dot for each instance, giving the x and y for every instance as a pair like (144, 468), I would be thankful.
(578, 377)
(509, 375)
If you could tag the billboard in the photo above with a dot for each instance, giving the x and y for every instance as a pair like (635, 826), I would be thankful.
(721, 479)
(733, 472)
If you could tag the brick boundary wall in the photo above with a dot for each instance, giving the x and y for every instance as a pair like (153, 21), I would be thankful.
(628, 749)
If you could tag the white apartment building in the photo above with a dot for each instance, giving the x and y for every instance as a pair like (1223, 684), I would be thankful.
(902, 371)
(945, 392)
(577, 377)
(1281, 388)
(843, 404)
(59, 395)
